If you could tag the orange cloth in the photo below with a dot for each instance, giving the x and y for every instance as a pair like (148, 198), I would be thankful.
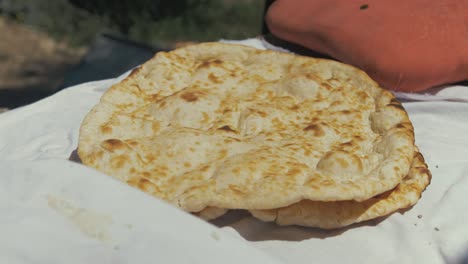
(405, 45)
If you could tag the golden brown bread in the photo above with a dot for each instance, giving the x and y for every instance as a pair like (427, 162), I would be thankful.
(229, 126)
(330, 215)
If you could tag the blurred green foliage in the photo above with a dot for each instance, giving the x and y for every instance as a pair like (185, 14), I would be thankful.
(207, 20)
(157, 22)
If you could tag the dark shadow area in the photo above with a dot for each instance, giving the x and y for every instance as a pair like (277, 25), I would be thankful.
(74, 156)
(265, 29)
(253, 229)
(12, 98)
(298, 49)
(462, 83)
(464, 259)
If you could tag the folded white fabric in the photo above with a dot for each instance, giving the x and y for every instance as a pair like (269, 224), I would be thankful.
(433, 231)
(56, 211)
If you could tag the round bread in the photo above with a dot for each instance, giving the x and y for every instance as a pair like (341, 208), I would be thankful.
(328, 215)
(230, 126)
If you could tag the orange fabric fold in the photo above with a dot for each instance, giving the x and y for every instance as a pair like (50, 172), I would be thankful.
(405, 45)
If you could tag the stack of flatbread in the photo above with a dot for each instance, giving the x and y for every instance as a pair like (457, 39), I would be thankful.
(295, 140)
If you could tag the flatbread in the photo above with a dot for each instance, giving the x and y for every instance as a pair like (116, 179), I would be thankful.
(230, 126)
(328, 215)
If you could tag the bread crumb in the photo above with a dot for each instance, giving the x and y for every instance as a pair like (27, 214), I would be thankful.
(215, 235)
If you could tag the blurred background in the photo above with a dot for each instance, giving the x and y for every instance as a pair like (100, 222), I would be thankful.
(47, 45)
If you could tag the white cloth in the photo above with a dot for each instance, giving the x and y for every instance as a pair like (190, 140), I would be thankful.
(36, 142)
